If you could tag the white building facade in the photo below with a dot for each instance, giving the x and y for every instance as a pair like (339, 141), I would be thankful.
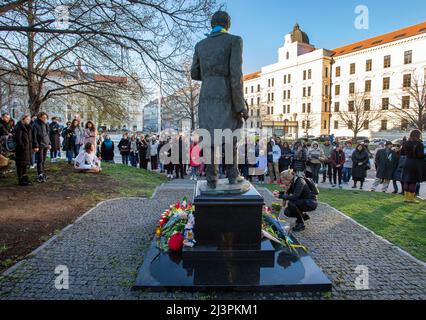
(304, 92)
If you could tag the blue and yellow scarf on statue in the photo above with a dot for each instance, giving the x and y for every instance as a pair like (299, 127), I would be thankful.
(215, 30)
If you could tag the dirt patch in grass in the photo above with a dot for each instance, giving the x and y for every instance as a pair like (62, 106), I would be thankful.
(31, 215)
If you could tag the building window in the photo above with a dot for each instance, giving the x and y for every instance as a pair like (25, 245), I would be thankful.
(258, 100)
(350, 124)
(288, 55)
(304, 92)
(369, 65)
(326, 72)
(258, 113)
(336, 124)
(246, 90)
(351, 106)
(309, 108)
(352, 68)
(289, 78)
(303, 125)
(406, 102)
(367, 105)
(384, 125)
(366, 125)
(258, 88)
(406, 83)
(288, 109)
(285, 79)
(269, 110)
(252, 89)
(309, 73)
(288, 94)
(352, 88)
(404, 125)
(285, 94)
(387, 62)
(367, 85)
(325, 125)
(338, 71)
(273, 96)
(308, 124)
(304, 75)
(252, 102)
(325, 106)
(337, 107)
(304, 108)
(272, 110)
(273, 82)
(337, 90)
(269, 83)
(326, 89)
(309, 91)
(385, 104)
(408, 57)
(386, 83)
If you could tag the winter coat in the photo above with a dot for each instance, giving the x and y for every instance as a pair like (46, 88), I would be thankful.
(143, 150)
(413, 169)
(23, 139)
(337, 158)
(315, 156)
(69, 142)
(299, 160)
(348, 157)
(327, 152)
(79, 135)
(40, 134)
(89, 136)
(107, 150)
(286, 157)
(276, 153)
(153, 149)
(299, 190)
(386, 161)
(5, 128)
(55, 135)
(194, 152)
(218, 64)
(359, 171)
(397, 175)
(124, 147)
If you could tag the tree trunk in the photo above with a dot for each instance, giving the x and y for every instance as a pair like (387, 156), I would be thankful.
(33, 101)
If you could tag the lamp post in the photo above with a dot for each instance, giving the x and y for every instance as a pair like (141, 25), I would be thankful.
(285, 127)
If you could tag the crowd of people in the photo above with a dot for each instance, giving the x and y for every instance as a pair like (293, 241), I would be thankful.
(334, 162)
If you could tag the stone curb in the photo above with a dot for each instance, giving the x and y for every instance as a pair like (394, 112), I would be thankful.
(372, 232)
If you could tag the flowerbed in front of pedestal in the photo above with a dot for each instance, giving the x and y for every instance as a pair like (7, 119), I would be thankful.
(175, 228)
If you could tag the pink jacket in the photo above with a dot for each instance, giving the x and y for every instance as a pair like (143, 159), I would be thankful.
(194, 155)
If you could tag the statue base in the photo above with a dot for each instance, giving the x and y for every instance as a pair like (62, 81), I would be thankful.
(230, 254)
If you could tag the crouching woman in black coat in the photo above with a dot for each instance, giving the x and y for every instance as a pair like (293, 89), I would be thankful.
(23, 139)
(301, 197)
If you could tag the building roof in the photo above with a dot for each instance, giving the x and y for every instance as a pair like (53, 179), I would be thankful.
(383, 39)
(252, 76)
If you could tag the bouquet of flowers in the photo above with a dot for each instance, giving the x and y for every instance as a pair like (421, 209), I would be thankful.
(174, 229)
(273, 230)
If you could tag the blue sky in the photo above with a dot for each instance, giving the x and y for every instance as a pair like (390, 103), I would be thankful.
(329, 24)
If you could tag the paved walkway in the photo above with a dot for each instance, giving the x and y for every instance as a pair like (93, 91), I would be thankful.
(104, 249)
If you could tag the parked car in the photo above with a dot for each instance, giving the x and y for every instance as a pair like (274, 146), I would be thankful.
(361, 139)
(323, 138)
(378, 141)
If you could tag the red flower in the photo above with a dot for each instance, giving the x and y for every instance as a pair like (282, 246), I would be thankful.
(176, 242)
(177, 206)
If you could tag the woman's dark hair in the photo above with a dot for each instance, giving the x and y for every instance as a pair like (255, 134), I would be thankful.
(415, 135)
(360, 145)
(93, 125)
(88, 146)
(72, 124)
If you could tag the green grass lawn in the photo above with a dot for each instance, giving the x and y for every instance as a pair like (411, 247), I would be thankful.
(385, 214)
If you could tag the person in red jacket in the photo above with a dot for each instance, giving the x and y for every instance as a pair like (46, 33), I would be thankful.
(337, 162)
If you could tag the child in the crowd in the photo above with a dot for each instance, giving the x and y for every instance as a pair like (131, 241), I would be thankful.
(86, 161)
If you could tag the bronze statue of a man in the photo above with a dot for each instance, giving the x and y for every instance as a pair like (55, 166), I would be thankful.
(218, 64)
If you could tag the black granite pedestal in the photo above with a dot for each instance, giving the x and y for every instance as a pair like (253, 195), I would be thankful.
(230, 253)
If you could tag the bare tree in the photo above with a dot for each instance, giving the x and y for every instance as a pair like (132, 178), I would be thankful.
(117, 37)
(411, 108)
(181, 97)
(10, 5)
(360, 113)
(309, 121)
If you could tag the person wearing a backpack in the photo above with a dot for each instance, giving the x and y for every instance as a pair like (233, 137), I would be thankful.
(300, 197)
